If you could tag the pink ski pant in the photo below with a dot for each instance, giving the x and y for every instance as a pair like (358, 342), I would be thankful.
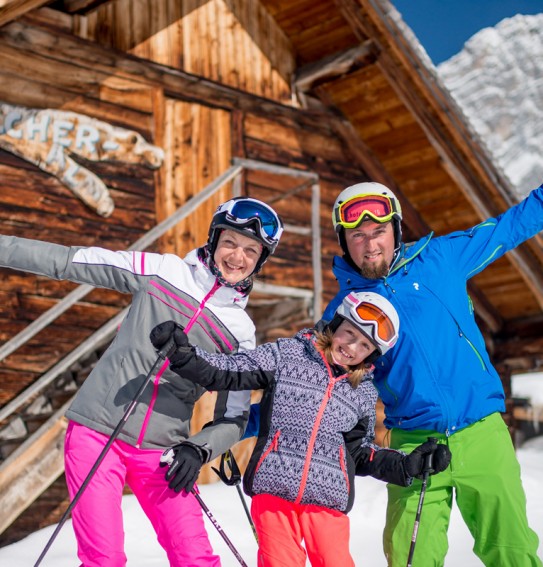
(97, 517)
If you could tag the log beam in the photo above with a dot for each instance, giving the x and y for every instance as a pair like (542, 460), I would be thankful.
(12, 9)
(334, 66)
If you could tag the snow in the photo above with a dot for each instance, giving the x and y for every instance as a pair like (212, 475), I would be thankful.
(528, 386)
(367, 521)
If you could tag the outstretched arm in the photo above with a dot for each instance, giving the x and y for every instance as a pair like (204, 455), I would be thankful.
(124, 271)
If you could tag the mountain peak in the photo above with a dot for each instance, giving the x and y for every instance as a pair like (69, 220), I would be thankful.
(497, 80)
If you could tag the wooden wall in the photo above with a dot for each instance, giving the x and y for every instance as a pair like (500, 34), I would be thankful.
(233, 42)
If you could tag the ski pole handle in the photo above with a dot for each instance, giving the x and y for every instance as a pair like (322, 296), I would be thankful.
(170, 347)
(429, 460)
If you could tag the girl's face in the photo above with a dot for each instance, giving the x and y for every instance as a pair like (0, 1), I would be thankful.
(349, 346)
(236, 255)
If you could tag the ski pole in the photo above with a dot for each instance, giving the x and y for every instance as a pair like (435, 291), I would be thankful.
(166, 351)
(234, 480)
(427, 470)
(218, 528)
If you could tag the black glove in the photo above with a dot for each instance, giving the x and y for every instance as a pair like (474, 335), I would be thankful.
(185, 461)
(163, 332)
(415, 462)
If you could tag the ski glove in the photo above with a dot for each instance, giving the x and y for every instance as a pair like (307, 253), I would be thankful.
(185, 461)
(415, 462)
(163, 332)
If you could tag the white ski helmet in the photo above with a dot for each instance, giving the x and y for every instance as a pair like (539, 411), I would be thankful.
(368, 200)
(374, 316)
(249, 217)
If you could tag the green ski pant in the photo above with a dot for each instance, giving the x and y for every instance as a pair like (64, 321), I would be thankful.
(484, 478)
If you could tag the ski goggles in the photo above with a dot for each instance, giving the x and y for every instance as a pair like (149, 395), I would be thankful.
(249, 211)
(383, 330)
(352, 212)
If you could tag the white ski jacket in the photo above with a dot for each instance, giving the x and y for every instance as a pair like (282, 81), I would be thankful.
(163, 287)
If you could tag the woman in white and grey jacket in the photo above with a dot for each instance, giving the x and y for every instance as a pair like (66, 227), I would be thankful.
(209, 290)
(316, 428)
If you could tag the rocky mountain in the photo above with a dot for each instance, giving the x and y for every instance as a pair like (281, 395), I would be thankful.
(497, 80)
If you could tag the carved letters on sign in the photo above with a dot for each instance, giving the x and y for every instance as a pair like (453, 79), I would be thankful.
(53, 139)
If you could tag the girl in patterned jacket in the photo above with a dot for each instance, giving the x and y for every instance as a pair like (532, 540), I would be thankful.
(316, 428)
(206, 291)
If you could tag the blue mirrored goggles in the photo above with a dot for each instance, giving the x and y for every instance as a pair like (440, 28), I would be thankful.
(246, 210)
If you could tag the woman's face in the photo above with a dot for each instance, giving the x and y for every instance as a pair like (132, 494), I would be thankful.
(236, 255)
(349, 346)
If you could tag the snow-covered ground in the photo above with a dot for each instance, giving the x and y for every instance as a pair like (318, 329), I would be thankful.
(367, 520)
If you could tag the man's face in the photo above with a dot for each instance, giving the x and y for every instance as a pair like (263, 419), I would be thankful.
(371, 246)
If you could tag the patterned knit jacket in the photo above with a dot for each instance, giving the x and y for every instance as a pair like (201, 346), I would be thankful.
(309, 413)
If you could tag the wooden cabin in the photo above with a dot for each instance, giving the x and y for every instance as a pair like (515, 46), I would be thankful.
(124, 123)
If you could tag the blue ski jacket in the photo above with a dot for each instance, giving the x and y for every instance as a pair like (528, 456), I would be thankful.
(439, 376)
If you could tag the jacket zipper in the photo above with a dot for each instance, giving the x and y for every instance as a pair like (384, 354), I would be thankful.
(474, 349)
(156, 381)
(327, 395)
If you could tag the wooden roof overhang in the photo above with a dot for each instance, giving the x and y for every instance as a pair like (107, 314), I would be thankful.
(359, 58)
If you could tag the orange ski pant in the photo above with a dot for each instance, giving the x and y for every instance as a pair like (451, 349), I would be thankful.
(282, 526)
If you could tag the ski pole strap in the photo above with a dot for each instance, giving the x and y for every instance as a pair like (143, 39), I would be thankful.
(227, 458)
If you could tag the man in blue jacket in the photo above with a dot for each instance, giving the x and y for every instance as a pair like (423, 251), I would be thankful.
(438, 381)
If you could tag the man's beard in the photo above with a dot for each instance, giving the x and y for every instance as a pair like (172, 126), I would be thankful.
(374, 271)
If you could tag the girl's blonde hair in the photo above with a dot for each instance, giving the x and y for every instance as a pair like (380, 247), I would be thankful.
(323, 342)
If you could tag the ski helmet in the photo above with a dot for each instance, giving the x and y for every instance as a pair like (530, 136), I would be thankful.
(366, 201)
(249, 217)
(374, 316)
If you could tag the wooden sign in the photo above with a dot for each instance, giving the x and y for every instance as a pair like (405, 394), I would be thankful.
(54, 139)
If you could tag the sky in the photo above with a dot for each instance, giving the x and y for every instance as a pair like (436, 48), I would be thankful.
(443, 26)
(367, 522)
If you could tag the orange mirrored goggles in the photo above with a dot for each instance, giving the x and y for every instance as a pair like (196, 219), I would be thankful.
(352, 212)
(369, 313)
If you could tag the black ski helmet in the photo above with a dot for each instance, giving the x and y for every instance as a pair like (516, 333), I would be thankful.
(249, 217)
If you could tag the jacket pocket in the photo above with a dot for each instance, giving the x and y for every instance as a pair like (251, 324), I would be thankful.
(274, 445)
(343, 466)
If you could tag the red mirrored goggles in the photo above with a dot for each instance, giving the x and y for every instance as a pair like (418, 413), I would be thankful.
(378, 208)
(369, 313)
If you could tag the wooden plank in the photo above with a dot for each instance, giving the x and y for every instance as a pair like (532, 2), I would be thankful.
(71, 77)
(81, 6)
(332, 66)
(25, 90)
(29, 471)
(12, 9)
